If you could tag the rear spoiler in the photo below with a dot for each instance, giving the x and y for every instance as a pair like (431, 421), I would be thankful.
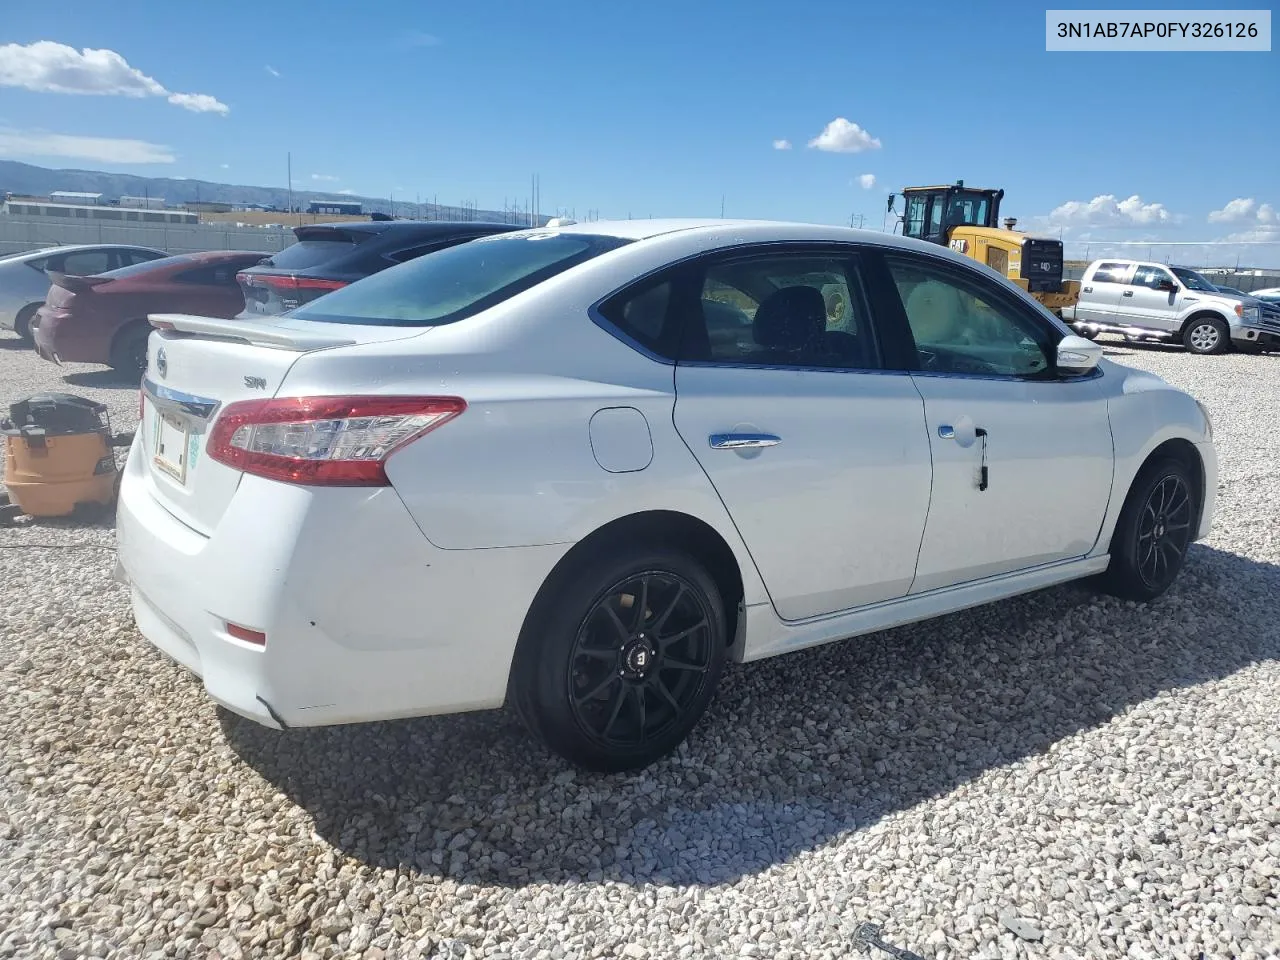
(69, 281)
(260, 333)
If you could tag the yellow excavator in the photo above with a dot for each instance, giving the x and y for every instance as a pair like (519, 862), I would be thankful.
(965, 219)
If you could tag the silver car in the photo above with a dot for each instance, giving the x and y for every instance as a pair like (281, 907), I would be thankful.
(24, 280)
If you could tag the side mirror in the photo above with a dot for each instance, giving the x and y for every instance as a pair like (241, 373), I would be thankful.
(1168, 285)
(1077, 355)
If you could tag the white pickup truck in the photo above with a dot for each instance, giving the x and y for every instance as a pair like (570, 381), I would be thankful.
(1152, 301)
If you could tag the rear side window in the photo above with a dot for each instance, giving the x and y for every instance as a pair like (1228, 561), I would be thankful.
(306, 254)
(85, 263)
(456, 283)
(1110, 273)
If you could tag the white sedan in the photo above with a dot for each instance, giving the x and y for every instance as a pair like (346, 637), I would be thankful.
(579, 468)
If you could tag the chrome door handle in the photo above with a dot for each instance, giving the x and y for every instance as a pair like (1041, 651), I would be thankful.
(1088, 289)
(1127, 293)
(947, 432)
(742, 441)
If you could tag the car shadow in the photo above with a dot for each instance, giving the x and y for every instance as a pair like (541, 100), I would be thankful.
(107, 379)
(905, 715)
(15, 343)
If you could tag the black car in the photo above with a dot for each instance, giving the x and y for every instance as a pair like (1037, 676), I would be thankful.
(331, 255)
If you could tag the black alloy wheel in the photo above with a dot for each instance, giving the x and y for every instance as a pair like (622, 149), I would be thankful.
(640, 660)
(620, 656)
(1156, 527)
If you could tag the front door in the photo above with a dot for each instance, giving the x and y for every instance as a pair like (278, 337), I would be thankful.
(1022, 459)
(1143, 303)
(818, 453)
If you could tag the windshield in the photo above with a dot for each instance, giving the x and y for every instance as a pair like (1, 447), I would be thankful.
(1193, 281)
(146, 266)
(967, 208)
(451, 284)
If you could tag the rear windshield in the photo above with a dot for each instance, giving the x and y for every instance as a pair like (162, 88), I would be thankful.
(451, 284)
(311, 253)
(146, 266)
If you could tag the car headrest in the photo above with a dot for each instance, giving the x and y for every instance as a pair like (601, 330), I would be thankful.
(790, 318)
(935, 311)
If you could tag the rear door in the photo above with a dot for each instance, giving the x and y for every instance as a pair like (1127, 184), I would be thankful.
(1100, 291)
(1144, 303)
(795, 411)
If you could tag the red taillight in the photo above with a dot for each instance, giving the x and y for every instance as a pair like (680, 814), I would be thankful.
(324, 441)
(256, 637)
(282, 281)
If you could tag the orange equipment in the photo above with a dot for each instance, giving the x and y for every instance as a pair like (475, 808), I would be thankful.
(58, 456)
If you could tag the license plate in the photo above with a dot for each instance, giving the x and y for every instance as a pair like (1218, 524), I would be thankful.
(171, 447)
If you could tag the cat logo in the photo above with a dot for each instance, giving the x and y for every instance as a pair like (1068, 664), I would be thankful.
(959, 245)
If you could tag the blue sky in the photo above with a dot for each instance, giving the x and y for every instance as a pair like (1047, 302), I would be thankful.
(659, 108)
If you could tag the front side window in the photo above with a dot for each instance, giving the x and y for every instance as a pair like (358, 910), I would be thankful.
(1150, 276)
(458, 282)
(802, 310)
(960, 327)
(913, 222)
(1193, 281)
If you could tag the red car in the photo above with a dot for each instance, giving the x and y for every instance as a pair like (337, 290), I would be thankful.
(103, 318)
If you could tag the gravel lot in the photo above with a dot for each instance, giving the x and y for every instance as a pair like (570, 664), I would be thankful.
(1055, 776)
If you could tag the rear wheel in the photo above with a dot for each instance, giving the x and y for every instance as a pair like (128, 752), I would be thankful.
(1206, 335)
(1153, 533)
(22, 323)
(129, 350)
(621, 661)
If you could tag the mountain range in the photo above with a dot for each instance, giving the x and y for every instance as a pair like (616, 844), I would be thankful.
(26, 178)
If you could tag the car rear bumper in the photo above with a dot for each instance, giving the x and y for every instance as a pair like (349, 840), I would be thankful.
(364, 618)
(61, 339)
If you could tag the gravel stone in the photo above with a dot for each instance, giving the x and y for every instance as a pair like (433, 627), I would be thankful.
(1102, 773)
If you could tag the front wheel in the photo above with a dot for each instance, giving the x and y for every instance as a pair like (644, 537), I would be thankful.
(1206, 335)
(617, 666)
(1154, 531)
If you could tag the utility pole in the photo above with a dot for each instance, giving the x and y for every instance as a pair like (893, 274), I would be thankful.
(289, 160)
(722, 206)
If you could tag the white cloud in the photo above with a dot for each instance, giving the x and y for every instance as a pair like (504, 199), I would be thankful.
(1268, 214)
(35, 143)
(843, 136)
(782, 144)
(867, 181)
(272, 70)
(328, 178)
(226, 166)
(347, 193)
(199, 103)
(1106, 210)
(48, 67)
(1238, 209)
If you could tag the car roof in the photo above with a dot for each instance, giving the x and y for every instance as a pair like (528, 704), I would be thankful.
(421, 227)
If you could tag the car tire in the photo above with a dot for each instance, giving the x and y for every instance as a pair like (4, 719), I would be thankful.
(620, 657)
(129, 348)
(1205, 335)
(22, 325)
(1154, 531)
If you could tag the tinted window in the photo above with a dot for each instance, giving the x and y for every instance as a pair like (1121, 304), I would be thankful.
(218, 274)
(961, 327)
(145, 267)
(422, 249)
(1193, 280)
(1150, 276)
(310, 253)
(128, 257)
(1110, 273)
(968, 208)
(642, 314)
(452, 284)
(784, 310)
(85, 263)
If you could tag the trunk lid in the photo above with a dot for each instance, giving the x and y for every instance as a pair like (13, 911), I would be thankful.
(196, 366)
